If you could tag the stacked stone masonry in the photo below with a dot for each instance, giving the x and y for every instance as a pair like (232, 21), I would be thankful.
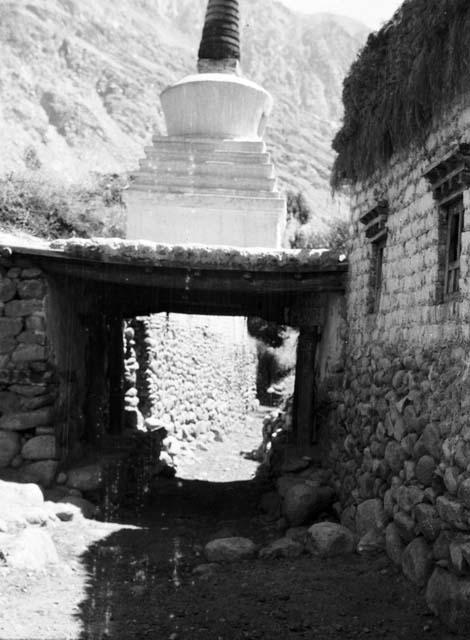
(193, 376)
(28, 385)
(399, 436)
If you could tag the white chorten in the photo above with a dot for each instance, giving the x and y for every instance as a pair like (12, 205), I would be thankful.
(210, 180)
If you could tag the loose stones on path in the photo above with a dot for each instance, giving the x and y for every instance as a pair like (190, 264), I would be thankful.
(327, 539)
(230, 550)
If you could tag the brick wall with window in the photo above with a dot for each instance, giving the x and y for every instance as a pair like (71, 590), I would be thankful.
(398, 440)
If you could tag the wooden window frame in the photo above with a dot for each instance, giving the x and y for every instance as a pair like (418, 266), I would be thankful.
(449, 179)
(375, 229)
(379, 251)
(453, 213)
(376, 275)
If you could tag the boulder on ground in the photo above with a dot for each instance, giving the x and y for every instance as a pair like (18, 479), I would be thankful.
(282, 548)
(30, 550)
(448, 597)
(21, 504)
(302, 502)
(64, 511)
(230, 549)
(328, 539)
(25, 495)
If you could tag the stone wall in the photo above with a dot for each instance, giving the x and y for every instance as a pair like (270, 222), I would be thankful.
(196, 376)
(28, 381)
(399, 435)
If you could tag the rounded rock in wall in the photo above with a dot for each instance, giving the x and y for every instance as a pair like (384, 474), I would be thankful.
(464, 492)
(425, 469)
(417, 562)
(41, 472)
(451, 478)
(40, 448)
(9, 447)
(395, 456)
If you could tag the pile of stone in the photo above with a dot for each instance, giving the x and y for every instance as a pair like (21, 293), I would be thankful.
(191, 382)
(29, 450)
(324, 540)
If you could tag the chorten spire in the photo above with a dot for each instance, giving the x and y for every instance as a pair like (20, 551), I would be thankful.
(220, 44)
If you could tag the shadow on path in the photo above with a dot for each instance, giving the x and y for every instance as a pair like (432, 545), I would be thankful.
(141, 581)
(137, 575)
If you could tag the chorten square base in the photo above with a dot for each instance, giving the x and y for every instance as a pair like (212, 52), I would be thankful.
(205, 219)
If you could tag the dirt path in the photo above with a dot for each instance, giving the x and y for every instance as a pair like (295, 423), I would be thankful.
(137, 580)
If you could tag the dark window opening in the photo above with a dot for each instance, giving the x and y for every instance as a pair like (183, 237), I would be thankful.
(378, 249)
(452, 228)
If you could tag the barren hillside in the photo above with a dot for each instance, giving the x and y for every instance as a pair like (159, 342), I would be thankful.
(80, 80)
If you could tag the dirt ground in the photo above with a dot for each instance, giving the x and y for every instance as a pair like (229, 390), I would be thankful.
(135, 579)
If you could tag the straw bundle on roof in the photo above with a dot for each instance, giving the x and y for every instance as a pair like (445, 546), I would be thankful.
(405, 76)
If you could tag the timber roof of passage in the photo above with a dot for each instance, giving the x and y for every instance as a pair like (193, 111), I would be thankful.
(144, 277)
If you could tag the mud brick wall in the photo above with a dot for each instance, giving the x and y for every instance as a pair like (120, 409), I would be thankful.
(399, 438)
(28, 384)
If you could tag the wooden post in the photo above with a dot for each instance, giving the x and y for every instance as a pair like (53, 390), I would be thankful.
(304, 391)
(96, 403)
(116, 375)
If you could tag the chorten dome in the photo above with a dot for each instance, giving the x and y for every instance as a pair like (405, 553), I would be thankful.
(217, 102)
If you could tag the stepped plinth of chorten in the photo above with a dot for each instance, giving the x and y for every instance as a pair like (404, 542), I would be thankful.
(210, 179)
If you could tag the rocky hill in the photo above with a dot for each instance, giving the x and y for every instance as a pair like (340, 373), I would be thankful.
(80, 80)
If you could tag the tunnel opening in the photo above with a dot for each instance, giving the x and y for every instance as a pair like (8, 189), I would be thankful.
(191, 378)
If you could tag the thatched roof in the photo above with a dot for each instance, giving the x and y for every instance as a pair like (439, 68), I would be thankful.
(407, 73)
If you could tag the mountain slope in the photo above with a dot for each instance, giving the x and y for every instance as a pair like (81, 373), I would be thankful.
(80, 80)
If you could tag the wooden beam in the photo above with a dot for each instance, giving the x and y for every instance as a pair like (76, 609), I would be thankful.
(96, 398)
(116, 375)
(128, 276)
